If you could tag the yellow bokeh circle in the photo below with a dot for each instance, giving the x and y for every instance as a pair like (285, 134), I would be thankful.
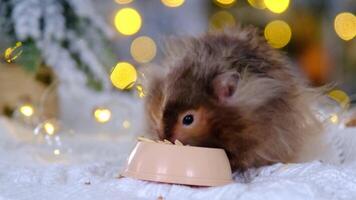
(345, 25)
(128, 21)
(123, 1)
(277, 6)
(123, 76)
(278, 33)
(222, 19)
(143, 49)
(341, 97)
(225, 3)
(259, 4)
(172, 3)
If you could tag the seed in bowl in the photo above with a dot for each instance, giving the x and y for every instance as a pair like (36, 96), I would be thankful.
(143, 139)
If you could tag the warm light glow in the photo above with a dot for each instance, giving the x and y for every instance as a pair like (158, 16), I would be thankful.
(56, 152)
(27, 110)
(278, 33)
(123, 1)
(225, 3)
(49, 128)
(128, 21)
(140, 91)
(102, 115)
(172, 3)
(341, 97)
(222, 19)
(334, 118)
(126, 124)
(259, 4)
(123, 76)
(345, 25)
(12, 53)
(277, 6)
(143, 49)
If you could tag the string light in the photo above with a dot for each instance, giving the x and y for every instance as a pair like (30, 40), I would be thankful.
(277, 6)
(259, 4)
(123, 76)
(222, 19)
(341, 97)
(123, 1)
(126, 124)
(49, 128)
(345, 25)
(102, 115)
(56, 152)
(143, 49)
(27, 110)
(12, 53)
(334, 118)
(278, 33)
(140, 91)
(172, 3)
(128, 21)
(225, 3)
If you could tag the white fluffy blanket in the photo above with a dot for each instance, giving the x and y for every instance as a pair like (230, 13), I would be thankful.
(90, 172)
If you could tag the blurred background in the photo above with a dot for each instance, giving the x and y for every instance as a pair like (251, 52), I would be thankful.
(76, 65)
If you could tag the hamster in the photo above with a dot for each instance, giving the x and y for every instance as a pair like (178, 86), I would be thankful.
(229, 89)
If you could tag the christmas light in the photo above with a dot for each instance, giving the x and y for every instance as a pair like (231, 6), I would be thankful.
(126, 124)
(123, 1)
(341, 97)
(26, 110)
(143, 49)
(140, 91)
(123, 76)
(224, 3)
(278, 33)
(12, 53)
(277, 6)
(49, 128)
(128, 21)
(172, 3)
(259, 4)
(56, 152)
(222, 19)
(102, 115)
(345, 25)
(334, 118)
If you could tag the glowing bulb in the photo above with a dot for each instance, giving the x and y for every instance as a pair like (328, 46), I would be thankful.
(278, 33)
(222, 19)
(49, 128)
(12, 53)
(123, 1)
(224, 3)
(128, 21)
(259, 4)
(56, 152)
(277, 6)
(172, 3)
(26, 110)
(341, 97)
(123, 76)
(334, 119)
(102, 115)
(143, 49)
(140, 91)
(345, 25)
(126, 124)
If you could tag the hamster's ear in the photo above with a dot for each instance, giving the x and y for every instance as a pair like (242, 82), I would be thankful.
(224, 85)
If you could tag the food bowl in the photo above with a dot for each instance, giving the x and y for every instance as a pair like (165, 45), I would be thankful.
(177, 164)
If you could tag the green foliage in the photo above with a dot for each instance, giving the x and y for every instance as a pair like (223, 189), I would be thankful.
(30, 58)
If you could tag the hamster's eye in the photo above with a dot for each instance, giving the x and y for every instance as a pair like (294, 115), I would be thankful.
(188, 119)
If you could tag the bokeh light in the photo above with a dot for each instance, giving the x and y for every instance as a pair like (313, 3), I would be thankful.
(49, 128)
(143, 49)
(140, 91)
(27, 110)
(173, 3)
(12, 53)
(126, 124)
(123, 76)
(259, 4)
(102, 115)
(278, 33)
(334, 119)
(222, 19)
(277, 6)
(345, 25)
(123, 1)
(225, 3)
(56, 152)
(341, 97)
(128, 21)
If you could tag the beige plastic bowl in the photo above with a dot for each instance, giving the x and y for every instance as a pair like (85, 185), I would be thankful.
(178, 164)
